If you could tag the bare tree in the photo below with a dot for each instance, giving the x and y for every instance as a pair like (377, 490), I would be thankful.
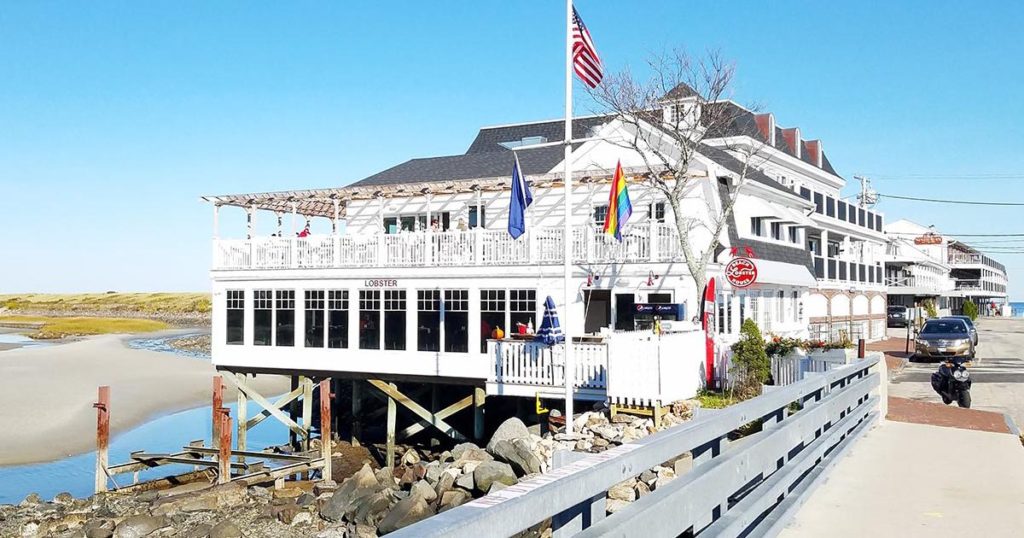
(670, 116)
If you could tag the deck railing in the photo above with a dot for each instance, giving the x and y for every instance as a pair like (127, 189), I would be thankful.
(537, 365)
(641, 242)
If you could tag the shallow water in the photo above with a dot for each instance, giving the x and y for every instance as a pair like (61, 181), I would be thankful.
(163, 345)
(166, 434)
(22, 340)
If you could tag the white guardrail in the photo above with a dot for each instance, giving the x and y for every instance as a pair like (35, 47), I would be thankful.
(749, 487)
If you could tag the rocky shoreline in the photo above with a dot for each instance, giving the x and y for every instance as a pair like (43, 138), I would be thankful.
(369, 502)
(199, 343)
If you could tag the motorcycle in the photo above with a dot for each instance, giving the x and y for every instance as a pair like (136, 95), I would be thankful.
(953, 382)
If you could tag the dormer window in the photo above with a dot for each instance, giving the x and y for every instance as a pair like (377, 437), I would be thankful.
(525, 141)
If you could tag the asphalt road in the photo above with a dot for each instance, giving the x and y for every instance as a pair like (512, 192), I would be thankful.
(998, 372)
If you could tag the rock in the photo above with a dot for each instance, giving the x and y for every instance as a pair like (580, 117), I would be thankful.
(445, 457)
(386, 478)
(410, 457)
(648, 477)
(461, 448)
(446, 481)
(288, 492)
(225, 529)
(364, 531)
(139, 526)
(285, 513)
(64, 498)
(201, 530)
(434, 470)
(600, 442)
(453, 498)
(614, 505)
(465, 481)
(98, 528)
(360, 485)
(683, 464)
(369, 510)
(469, 466)
(512, 428)
(632, 434)
(496, 486)
(261, 493)
(30, 500)
(306, 499)
(555, 413)
(302, 518)
(424, 490)
(408, 478)
(583, 445)
(664, 476)
(405, 513)
(147, 496)
(338, 532)
(517, 453)
(472, 455)
(609, 432)
(623, 491)
(490, 472)
(641, 488)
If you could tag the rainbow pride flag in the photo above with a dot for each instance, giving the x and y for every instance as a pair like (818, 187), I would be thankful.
(619, 206)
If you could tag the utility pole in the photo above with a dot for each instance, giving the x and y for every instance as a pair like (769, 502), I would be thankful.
(867, 197)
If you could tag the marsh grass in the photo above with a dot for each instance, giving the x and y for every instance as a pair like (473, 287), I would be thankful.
(141, 303)
(61, 327)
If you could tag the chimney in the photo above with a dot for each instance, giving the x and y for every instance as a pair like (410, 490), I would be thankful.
(766, 124)
(813, 148)
(792, 138)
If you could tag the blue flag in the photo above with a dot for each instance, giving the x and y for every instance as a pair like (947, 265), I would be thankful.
(521, 199)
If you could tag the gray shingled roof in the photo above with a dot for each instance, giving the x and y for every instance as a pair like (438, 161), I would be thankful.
(764, 249)
(490, 138)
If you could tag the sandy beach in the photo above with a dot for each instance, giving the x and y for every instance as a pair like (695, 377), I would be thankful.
(47, 393)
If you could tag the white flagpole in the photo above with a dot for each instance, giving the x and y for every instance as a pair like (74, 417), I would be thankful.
(570, 367)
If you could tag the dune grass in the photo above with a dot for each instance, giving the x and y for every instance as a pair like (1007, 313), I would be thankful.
(61, 327)
(139, 303)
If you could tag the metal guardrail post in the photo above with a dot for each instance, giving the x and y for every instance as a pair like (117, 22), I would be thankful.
(582, 515)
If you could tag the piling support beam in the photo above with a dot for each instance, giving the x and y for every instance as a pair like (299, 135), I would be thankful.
(392, 417)
(293, 413)
(325, 429)
(478, 412)
(102, 406)
(242, 421)
(218, 402)
(224, 445)
(357, 411)
(307, 410)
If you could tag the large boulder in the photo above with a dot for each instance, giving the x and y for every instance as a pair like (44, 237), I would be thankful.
(423, 489)
(490, 472)
(517, 453)
(360, 485)
(454, 498)
(225, 529)
(461, 449)
(405, 513)
(139, 526)
(509, 430)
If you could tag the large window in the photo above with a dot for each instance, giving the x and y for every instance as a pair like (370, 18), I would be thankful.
(522, 309)
(492, 314)
(262, 317)
(284, 312)
(236, 317)
(656, 212)
(456, 321)
(394, 319)
(314, 309)
(428, 320)
(337, 319)
(369, 319)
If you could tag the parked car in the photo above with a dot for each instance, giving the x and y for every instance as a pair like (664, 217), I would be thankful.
(970, 325)
(944, 338)
(899, 316)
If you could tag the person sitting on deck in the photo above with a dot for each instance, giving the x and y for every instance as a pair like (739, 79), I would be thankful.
(305, 231)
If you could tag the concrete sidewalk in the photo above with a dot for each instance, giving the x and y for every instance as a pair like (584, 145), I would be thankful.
(912, 480)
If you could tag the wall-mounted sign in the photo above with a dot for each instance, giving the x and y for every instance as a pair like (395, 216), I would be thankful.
(380, 283)
(741, 272)
(928, 239)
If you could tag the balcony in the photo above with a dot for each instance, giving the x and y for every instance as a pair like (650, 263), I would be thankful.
(643, 242)
(846, 272)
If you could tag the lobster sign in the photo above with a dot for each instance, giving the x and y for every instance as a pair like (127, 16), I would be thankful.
(741, 272)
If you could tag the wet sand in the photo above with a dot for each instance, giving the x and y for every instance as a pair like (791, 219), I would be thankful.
(46, 393)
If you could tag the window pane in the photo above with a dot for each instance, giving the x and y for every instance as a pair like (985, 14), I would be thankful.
(337, 319)
(284, 311)
(369, 319)
(522, 309)
(236, 317)
(428, 320)
(263, 316)
(456, 321)
(394, 319)
(492, 315)
(314, 318)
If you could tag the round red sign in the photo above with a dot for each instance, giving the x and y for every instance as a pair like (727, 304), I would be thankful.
(741, 272)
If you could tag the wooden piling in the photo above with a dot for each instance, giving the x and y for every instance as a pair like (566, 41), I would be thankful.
(325, 428)
(479, 396)
(218, 403)
(392, 416)
(243, 417)
(357, 412)
(102, 406)
(861, 349)
(307, 410)
(224, 445)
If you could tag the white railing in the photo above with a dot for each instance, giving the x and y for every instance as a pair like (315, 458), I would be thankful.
(537, 365)
(793, 367)
(641, 242)
(649, 369)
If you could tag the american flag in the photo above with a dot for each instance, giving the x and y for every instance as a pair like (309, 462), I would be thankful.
(585, 60)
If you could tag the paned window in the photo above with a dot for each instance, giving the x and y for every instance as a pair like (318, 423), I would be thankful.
(522, 308)
(315, 318)
(284, 317)
(492, 314)
(394, 319)
(235, 317)
(369, 319)
(263, 317)
(337, 319)
(456, 321)
(428, 320)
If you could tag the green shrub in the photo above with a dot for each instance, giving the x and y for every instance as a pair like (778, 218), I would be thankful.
(930, 309)
(751, 360)
(971, 310)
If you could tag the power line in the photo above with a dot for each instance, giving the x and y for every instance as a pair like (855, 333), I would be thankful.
(919, 177)
(934, 200)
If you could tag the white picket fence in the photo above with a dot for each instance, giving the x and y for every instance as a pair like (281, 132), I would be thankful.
(793, 367)
(537, 365)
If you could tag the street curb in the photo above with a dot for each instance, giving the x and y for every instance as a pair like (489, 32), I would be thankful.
(1011, 425)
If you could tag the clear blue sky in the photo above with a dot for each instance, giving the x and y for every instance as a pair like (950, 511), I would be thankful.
(116, 116)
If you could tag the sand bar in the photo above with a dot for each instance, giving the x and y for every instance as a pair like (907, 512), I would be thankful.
(47, 393)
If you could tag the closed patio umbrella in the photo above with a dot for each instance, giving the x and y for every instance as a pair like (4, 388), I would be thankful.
(550, 332)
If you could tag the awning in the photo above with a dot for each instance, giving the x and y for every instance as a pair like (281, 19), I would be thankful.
(771, 273)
